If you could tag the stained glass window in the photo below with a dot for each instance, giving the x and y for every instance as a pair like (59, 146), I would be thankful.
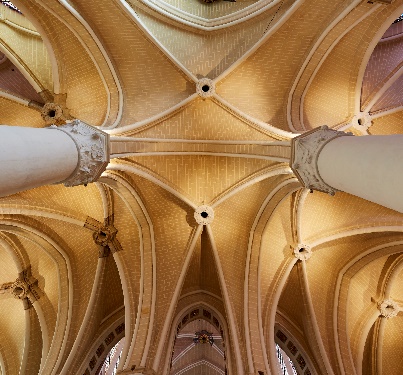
(286, 365)
(10, 5)
(111, 363)
(398, 19)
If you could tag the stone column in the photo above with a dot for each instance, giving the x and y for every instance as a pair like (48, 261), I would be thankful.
(73, 154)
(369, 167)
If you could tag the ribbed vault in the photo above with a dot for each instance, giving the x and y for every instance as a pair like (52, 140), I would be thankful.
(271, 256)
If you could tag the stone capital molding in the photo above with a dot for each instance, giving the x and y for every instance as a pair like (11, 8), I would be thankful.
(93, 151)
(388, 308)
(305, 150)
(302, 251)
(204, 215)
(205, 88)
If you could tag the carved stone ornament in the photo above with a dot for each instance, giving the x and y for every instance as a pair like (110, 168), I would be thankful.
(204, 215)
(52, 113)
(362, 121)
(388, 308)
(93, 151)
(25, 288)
(205, 88)
(304, 157)
(104, 235)
(302, 251)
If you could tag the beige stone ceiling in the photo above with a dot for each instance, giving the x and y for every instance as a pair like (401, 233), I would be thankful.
(279, 68)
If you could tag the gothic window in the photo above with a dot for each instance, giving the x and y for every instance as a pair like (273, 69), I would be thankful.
(199, 345)
(398, 19)
(286, 364)
(292, 360)
(112, 360)
(10, 5)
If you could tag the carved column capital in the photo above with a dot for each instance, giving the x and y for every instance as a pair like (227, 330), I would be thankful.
(93, 151)
(304, 157)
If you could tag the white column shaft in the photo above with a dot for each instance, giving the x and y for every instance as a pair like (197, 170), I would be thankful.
(369, 167)
(33, 157)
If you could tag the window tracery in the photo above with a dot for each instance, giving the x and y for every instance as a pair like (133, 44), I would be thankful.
(398, 19)
(111, 363)
(10, 5)
(292, 360)
(286, 364)
(199, 342)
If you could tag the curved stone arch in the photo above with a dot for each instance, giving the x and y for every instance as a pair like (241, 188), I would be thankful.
(107, 339)
(390, 276)
(256, 350)
(272, 171)
(21, 66)
(150, 122)
(294, 350)
(87, 49)
(30, 230)
(344, 234)
(340, 305)
(52, 55)
(143, 325)
(364, 62)
(377, 321)
(23, 268)
(108, 61)
(49, 213)
(302, 82)
(2, 365)
(301, 102)
(346, 25)
(354, 232)
(53, 28)
(186, 314)
(129, 168)
(19, 256)
(178, 16)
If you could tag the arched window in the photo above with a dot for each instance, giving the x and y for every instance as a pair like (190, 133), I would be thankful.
(286, 364)
(111, 362)
(10, 5)
(292, 359)
(199, 345)
(398, 19)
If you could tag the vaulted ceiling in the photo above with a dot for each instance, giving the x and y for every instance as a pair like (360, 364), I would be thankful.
(201, 101)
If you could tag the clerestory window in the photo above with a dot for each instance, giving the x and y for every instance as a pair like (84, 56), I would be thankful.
(111, 363)
(10, 5)
(286, 364)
